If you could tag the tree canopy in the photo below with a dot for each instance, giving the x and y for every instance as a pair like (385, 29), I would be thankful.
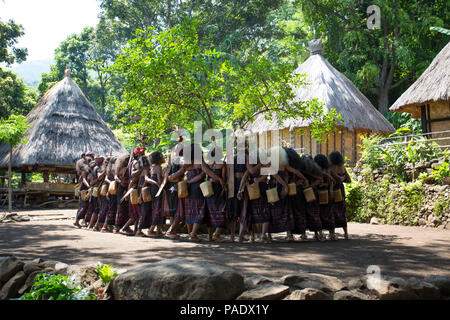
(173, 78)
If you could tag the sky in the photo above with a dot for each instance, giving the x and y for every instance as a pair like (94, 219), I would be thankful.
(48, 22)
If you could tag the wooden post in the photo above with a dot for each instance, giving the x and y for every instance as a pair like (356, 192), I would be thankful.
(46, 176)
(23, 179)
(9, 180)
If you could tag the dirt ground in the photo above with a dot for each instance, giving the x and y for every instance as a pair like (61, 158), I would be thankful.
(398, 251)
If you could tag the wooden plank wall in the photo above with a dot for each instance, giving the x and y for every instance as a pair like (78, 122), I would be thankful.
(345, 141)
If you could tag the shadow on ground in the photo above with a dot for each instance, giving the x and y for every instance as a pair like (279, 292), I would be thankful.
(341, 258)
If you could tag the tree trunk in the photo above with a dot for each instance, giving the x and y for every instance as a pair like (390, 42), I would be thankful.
(9, 181)
(383, 100)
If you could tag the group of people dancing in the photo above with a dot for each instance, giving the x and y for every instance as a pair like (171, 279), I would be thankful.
(240, 199)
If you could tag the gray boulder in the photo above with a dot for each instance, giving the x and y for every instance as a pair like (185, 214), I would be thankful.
(441, 282)
(350, 295)
(178, 279)
(255, 280)
(30, 280)
(271, 291)
(424, 290)
(31, 267)
(391, 288)
(303, 280)
(11, 288)
(308, 294)
(9, 266)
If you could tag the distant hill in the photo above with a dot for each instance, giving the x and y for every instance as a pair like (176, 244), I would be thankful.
(31, 71)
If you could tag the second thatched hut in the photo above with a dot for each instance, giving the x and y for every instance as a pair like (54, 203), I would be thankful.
(336, 91)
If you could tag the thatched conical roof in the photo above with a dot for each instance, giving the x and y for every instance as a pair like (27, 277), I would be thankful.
(64, 124)
(432, 86)
(333, 89)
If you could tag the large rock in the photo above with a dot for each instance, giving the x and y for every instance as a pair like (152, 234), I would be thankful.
(441, 282)
(11, 288)
(308, 294)
(9, 266)
(53, 264)
(424, 290)
(31, 267)
(391, 289)
(350, 295)
(80, 275)
(303, 280)
(255, 280)
(178, 279)
(271, 291)
(30, 280)
(357, 283)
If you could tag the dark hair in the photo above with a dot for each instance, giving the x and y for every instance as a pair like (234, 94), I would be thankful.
(156, 157)
(294, 159)
(336, 158)
(322, 161)
(195, 148)
(311, 166)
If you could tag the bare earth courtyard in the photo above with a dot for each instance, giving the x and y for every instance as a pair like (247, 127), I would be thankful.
(398, 251)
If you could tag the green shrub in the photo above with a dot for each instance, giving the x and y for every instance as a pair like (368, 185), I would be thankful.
(106, 272)
(56, 287)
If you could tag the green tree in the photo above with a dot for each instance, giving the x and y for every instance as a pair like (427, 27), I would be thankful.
(172, 78)
(12, 132)
(9, 34)
(89, 54)
(381, 62)
(15, 96)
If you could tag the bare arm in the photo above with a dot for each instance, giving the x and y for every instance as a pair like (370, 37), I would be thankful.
(177, 175)
(207, 170)
(281, 181)
(254, 169)
(198, 178)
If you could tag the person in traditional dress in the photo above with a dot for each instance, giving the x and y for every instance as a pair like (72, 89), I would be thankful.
(156, 174)
(134, 169)
(83, 171)
(281, 216)
(326, 215)
(175, 173)
(216, 172)
(195, 204)
(298, 201)
(122, 178)
(104, 202)
(95, 178)
(258, 213)
(313, 173)
(112, 198)
(145, 208)
(236, 206)
(338, 208)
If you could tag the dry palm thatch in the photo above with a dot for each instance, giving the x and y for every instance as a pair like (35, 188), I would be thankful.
(336, 91)
(432, 86)
(64, 124)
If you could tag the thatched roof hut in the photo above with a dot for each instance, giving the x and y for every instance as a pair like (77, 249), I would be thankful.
(64, 124)
(336, 91)
(429, 97)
